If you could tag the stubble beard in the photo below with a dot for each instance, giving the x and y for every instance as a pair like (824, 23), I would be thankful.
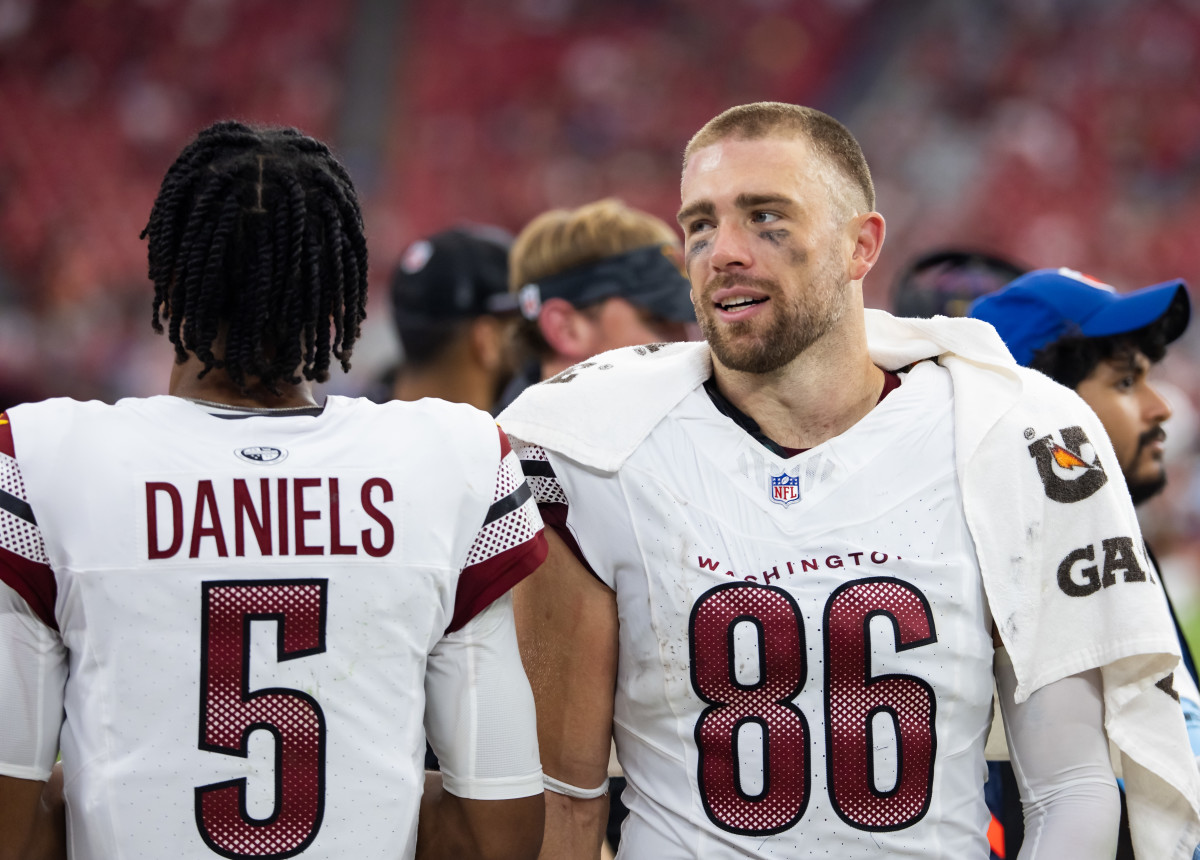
(1147, 488)
(798, 322)
(1142, 489)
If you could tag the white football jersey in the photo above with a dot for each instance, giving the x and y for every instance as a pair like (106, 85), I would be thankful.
(805, 664)
(253, 610)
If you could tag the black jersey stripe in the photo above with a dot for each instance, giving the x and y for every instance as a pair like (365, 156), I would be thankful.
(538, 469)
(20, 507)
(509, 503)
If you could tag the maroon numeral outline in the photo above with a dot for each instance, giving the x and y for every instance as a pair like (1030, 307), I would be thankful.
(847, 674)
(221, 814)
(768, 702)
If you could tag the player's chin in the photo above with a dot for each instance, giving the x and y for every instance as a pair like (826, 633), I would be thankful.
(1149, 482)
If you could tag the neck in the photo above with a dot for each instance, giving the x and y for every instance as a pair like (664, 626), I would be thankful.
(217, 387)
(820, 394)
(453, 383)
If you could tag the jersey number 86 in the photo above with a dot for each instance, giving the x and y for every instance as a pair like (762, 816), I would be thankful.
(853, 700)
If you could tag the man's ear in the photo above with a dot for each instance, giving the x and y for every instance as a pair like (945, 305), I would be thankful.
(488, 342)
(568, 332)
(869, 230)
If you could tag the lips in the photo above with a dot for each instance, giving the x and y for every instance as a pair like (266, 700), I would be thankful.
(737, 304)
(1152, 440)
(737, 300)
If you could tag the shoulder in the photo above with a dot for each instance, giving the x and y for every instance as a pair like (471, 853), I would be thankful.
(427, 409)
(1044, 399)
(64, 406)
(425, 421)
(600, 410)
(48, 420)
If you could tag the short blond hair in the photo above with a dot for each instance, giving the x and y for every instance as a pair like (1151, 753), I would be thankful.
(829, 138)
(562, 239)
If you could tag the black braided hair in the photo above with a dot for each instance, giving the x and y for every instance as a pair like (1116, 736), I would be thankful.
(257, 249)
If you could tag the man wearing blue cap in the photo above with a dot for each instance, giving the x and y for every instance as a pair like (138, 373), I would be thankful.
(1085, 335)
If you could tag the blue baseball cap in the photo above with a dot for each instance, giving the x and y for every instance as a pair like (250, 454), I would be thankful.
(1044, 305)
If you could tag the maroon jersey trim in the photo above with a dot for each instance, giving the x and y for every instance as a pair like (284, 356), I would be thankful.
(505, 445)
(554, 515)
(33, 581)
(6, 439)
(480, 584)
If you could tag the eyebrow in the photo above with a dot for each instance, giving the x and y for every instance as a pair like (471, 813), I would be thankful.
(751, 201)
(1132, 361)
(701, 207)
(742, 201)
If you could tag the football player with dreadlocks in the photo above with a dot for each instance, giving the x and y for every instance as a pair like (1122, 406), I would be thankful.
(232, 607)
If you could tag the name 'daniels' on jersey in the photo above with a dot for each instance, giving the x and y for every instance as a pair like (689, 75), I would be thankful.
(268, 517)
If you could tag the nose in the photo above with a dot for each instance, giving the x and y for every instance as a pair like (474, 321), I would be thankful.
(730, 248)
(1155, 408)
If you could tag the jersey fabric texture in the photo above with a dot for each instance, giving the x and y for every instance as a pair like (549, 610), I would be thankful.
(743, 712)
(1053, 534)
(255, 614)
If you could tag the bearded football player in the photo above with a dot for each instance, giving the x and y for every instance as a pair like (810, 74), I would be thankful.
(790, 563)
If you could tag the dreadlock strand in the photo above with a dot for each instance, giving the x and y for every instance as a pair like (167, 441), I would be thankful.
(331, 300)
(243, 348)
(291, 354)
(276, 310)
(196, 252)
(313, 358)
(213, 287)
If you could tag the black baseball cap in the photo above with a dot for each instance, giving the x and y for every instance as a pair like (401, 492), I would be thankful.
(456, 274)
(946, 281)
(648, 277)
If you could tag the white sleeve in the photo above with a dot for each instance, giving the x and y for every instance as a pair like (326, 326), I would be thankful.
(479, 715)
(33, 671)
(1059, 754)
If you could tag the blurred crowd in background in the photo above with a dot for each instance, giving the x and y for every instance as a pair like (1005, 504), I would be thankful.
(1050, 132)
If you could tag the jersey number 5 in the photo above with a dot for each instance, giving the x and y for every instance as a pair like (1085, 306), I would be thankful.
(230, 711)
(853, 699)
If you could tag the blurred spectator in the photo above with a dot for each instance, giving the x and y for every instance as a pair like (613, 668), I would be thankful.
(591, 279)
(450, 301)
(1087, 336)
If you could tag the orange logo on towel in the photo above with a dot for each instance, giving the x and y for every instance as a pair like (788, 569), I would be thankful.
(1066, 459)
(1078, 479)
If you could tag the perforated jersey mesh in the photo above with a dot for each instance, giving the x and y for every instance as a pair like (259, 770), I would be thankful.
(514, 528)
(18, 535)
(546, 489)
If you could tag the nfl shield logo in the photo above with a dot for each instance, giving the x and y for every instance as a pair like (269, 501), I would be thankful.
(785, 489)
